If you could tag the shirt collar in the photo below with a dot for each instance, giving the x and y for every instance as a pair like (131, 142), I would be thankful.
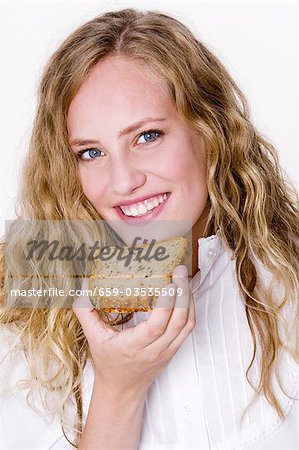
(209, 249)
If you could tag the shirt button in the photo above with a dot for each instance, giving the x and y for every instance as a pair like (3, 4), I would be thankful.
(187, 409)
(212, 252)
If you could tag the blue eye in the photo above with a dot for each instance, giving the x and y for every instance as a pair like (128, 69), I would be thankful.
(89, 153)
(149, 136)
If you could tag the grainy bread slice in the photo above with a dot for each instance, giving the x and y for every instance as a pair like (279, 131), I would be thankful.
(124, 283)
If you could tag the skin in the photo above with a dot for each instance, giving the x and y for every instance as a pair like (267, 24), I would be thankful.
(118, 93)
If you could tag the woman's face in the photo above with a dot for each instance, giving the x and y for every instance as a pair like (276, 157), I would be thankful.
(133, 144)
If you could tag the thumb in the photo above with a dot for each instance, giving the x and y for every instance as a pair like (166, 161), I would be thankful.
(88, 316)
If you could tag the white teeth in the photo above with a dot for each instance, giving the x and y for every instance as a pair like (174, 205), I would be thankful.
(134, 211)
(156, 202)
(142, 208)
(150, 205)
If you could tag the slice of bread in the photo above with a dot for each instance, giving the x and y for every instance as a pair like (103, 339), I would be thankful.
(120, 286)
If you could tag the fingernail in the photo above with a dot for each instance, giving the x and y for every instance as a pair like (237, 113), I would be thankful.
(181, 272)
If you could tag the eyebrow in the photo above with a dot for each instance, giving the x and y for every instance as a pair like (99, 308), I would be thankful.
(129, 129)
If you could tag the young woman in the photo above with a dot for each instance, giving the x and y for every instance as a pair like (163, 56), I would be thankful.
(132, 106)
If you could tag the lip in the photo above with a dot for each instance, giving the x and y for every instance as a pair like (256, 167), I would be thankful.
(150, 215)
(139, 199)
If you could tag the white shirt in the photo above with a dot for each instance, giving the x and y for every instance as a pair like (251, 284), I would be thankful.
(197, 400)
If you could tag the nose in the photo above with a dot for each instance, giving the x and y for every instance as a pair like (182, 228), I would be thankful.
(126, 173)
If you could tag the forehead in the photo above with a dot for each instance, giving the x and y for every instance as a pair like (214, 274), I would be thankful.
(120, 86)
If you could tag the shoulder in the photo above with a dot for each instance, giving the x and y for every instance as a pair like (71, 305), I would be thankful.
(34, 428)
(224, 342)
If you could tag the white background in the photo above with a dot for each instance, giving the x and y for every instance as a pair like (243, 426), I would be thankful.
(256, 40)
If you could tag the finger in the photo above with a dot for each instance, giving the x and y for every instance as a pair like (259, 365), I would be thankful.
(151, 329)
(180, 314)
(180, 278)
(88, 316)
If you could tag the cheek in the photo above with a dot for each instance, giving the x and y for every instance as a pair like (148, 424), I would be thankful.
(91, 184)
(185, 157)
(186, 167)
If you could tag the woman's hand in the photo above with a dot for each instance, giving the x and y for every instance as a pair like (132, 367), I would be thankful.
(132, 358)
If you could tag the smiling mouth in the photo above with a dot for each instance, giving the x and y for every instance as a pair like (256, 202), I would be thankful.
(144, 208)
